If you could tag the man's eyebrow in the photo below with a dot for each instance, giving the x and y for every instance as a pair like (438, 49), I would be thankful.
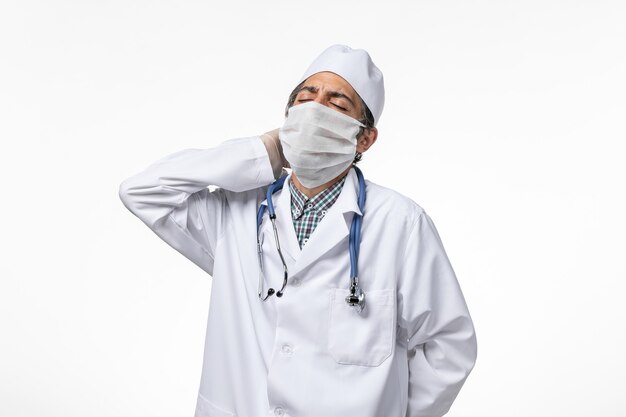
(335, 94)
(309, 88)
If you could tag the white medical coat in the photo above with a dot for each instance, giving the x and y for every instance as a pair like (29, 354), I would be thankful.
(309, 354)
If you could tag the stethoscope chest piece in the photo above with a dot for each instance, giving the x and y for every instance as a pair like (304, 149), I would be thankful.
(356, 298)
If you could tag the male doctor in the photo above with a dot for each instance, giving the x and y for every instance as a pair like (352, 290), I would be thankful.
(298, 332)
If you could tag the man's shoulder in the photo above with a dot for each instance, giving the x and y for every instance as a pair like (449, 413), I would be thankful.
(391, 202)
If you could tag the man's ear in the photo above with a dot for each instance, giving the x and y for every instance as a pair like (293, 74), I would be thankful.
(366, 139)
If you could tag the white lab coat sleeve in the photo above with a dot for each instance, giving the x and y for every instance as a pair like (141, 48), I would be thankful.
(171, 195)
(441, 338)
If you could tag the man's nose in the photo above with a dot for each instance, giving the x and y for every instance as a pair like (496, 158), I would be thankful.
(321, 100)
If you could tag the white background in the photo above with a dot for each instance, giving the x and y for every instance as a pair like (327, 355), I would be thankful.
(505, 120)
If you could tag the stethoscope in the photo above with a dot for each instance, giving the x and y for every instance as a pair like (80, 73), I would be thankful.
(356, 298)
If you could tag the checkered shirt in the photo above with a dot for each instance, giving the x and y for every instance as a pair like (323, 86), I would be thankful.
(307, 212)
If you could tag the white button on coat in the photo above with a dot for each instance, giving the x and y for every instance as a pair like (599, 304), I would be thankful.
(408, 353)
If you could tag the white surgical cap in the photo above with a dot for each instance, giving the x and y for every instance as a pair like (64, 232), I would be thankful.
(356, 67)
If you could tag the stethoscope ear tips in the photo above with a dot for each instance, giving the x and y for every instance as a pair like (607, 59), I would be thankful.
(270, 292)
(279, 294)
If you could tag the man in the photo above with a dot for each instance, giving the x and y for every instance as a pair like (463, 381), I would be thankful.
(397, 341)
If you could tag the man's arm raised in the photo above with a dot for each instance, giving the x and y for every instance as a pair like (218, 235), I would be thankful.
(171, 195)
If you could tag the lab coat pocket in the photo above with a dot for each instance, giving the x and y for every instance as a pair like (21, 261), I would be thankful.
(206, 408)
(364, 338)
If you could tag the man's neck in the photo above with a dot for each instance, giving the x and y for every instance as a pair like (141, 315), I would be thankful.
(310, 192)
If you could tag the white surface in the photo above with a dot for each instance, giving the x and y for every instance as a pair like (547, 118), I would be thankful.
(504, 120)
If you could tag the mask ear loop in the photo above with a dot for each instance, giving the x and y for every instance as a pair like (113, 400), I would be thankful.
(359, 155)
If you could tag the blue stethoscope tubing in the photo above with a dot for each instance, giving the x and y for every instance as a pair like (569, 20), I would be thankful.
(275, 186)
(356, 297)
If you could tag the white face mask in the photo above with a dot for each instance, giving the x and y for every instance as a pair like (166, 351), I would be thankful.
(318, 142)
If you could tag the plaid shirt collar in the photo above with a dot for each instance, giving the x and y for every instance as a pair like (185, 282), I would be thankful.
(320, 202)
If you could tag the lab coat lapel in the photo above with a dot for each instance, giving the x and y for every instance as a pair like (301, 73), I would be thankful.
(334, 227)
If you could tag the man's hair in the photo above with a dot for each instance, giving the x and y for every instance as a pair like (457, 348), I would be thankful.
(367, 118)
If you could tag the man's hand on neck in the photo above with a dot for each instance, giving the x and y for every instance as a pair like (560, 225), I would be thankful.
(310, 192)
